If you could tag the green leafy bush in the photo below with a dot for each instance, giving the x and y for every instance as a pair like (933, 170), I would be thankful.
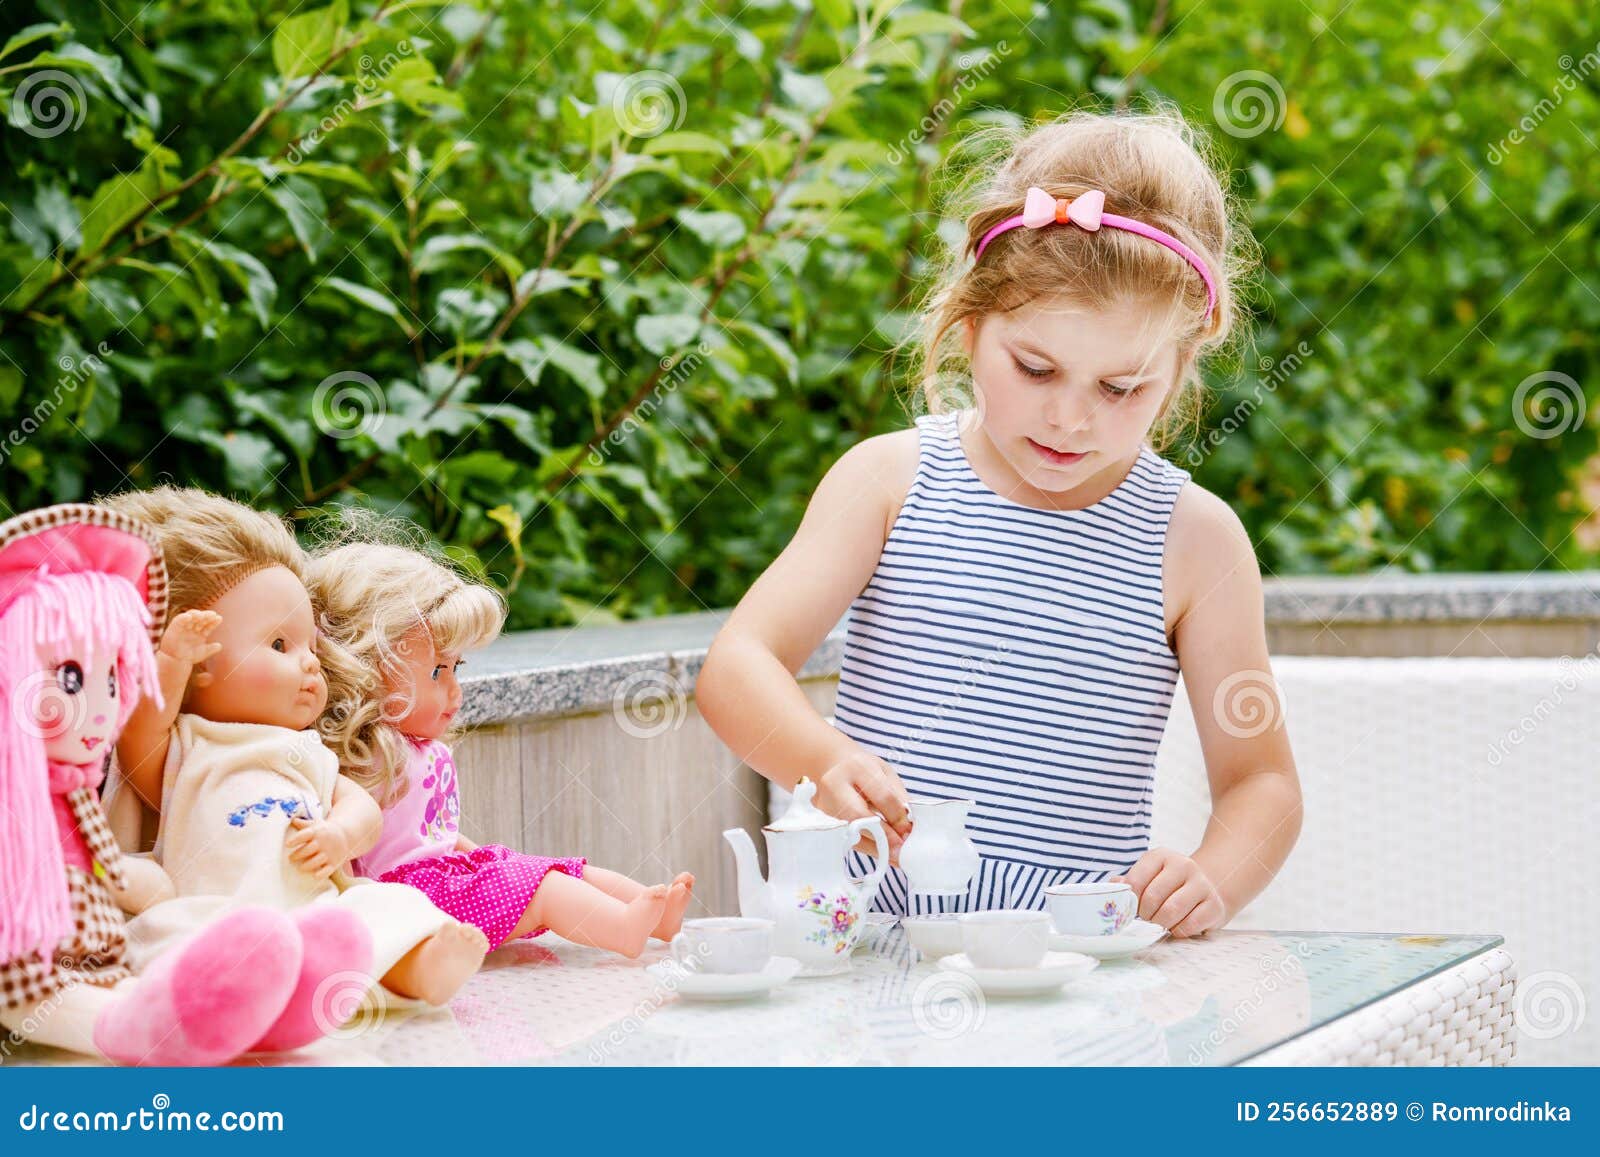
(595, 296)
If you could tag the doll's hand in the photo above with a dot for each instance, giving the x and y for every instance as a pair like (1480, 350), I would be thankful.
(317, 846)
(145, 884)
(1175, 892)
(188, 637)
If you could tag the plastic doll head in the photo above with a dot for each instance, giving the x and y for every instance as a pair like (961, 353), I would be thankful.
(246, 566)
(267, 670)
(76, 655)
(396, 623)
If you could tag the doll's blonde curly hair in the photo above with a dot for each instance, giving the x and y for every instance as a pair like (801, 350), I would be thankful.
(370, 586)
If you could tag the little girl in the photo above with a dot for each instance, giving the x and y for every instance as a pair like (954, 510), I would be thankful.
(1027, 577)
(396, 624)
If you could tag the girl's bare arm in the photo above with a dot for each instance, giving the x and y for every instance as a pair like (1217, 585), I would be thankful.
(1220, 639)
(747, 689)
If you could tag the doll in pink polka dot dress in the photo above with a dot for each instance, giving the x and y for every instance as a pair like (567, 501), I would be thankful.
(395, 626)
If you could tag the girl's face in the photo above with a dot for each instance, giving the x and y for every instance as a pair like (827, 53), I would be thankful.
(77, 706)
(1067, 396)
(267, 670)
(421, 680)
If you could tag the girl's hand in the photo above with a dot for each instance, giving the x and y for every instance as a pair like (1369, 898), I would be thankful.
(859, 785)
(188, 637)
(1175, 892)
(317, 846)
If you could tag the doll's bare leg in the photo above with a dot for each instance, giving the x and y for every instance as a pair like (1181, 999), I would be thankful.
(435, 970)
(586, 914)
(620, 886)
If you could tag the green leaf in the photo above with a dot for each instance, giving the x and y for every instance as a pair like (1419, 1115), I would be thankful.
(116, 299)
(302, 204)
(413, 5)
(116, 202)
(519, 422)
(528, 356)
(106, 69)
(556, 193)
(511, 521)
(180, 281)
(538, 282)
(32, 34)
(808, 93)
(303, 42)
(249, 461)
(636, 480)
(28, 277)
(686, 142)
(373, 299)
(260, 289)
(662, 333)
(415, 84)
(10, 385)
(582, 368)
(55, 209)
(775, 345)
(718, 229)
(838, 14)
(468, 313)
(102, 406)
(299, 433)
(328, 171)
(924, 23)
(250, 172)
(433, 253)
(381, 219)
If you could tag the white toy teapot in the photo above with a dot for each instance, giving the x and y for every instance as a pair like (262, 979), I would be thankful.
(816, 906)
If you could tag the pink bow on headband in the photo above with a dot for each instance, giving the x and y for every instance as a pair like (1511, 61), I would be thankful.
(1087, 211)
(1041, 209)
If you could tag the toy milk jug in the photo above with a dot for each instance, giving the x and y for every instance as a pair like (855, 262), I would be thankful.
(938, 857)
(816, 907)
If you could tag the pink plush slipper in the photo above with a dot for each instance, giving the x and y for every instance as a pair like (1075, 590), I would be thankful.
(204, 1003)
(335, 975)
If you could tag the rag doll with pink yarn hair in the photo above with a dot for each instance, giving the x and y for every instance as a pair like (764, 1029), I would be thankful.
(76, 657)
(396, 624)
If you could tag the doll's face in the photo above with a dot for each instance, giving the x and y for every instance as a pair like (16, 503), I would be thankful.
(424, 694)
(267, 670)
(76, 709)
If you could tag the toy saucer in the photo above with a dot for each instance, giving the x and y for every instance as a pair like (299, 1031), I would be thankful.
(1135, 937)
(724, 985)
(1048, 976)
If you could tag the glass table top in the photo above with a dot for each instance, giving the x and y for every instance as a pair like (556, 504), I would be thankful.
(1217, 1000)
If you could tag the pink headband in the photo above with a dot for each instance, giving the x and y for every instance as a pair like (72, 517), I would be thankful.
(1087, 211)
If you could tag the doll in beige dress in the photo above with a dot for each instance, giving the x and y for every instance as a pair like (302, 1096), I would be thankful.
(253, 809)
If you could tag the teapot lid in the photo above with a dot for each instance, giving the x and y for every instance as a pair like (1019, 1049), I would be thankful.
(803, 815)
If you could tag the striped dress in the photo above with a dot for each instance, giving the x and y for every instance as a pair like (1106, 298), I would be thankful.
(1018, 658)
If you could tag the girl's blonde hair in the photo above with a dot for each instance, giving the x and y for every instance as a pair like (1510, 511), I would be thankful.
(1151, 165)
(369, 594)
(211, 543)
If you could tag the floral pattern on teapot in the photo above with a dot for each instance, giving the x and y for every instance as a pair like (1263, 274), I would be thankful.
(839, 918)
